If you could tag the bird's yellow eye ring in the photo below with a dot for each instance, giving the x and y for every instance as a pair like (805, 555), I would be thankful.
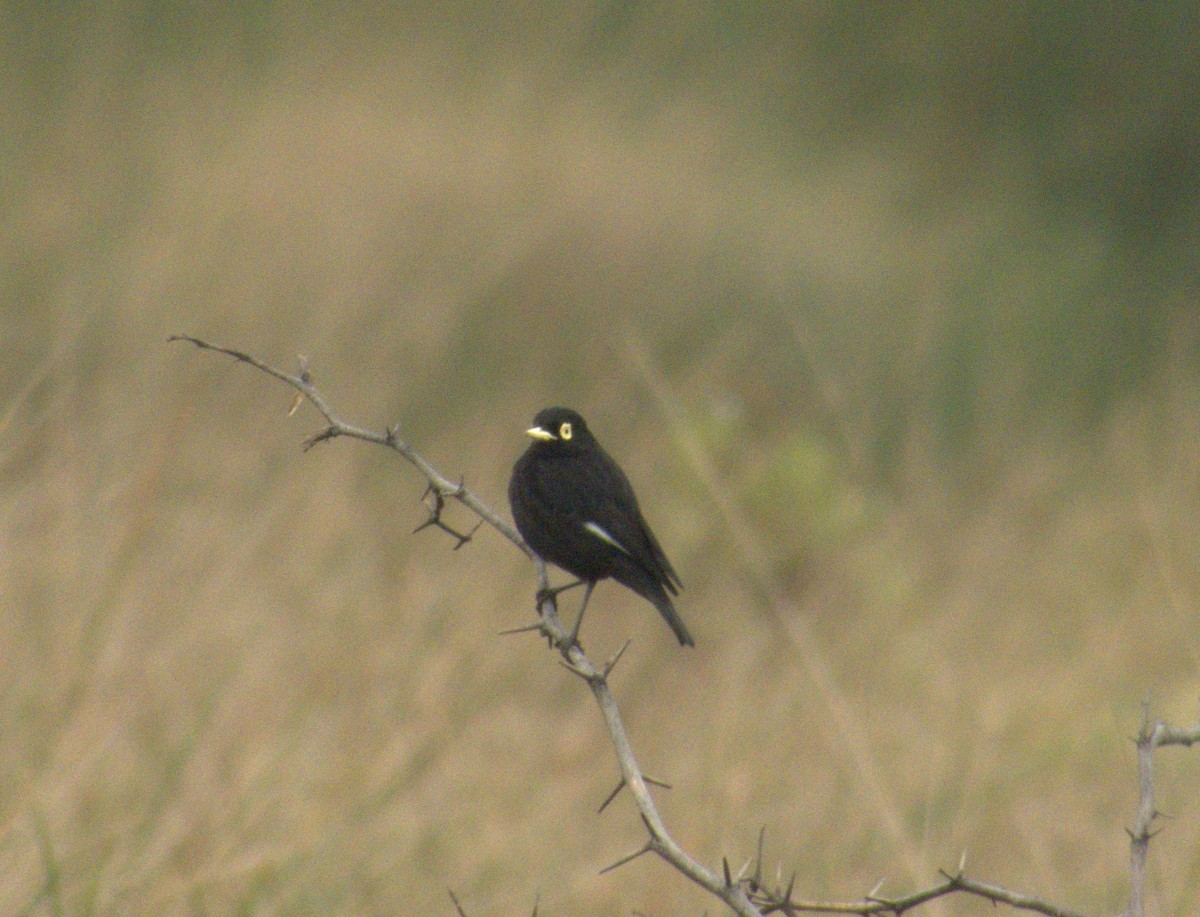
(564, 431)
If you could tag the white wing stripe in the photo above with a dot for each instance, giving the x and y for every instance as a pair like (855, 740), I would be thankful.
(605, 537)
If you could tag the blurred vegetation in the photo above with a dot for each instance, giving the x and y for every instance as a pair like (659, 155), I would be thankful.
(889, 310)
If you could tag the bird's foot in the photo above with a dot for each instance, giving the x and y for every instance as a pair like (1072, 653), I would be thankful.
(563, 644)
(548, 593)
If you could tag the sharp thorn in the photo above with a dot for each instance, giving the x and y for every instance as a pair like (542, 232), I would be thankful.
(759, 857)
(953, 880)
(574, 669)
(625, 859)
(519, 630)
(611, 796)
(741, 873)
(316, 438)
(463, 539)
(616, 657)
(458, 907)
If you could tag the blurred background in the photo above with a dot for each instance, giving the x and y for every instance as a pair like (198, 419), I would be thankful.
(889, 311)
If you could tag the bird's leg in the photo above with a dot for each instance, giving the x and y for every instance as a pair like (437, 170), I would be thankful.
(548, 593)
(574, 638)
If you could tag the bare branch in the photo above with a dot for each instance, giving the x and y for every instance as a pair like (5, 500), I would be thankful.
(435, 518)
(440, 485)
(660, 842)
(1151, 736)
(874, 904)
(996, 894)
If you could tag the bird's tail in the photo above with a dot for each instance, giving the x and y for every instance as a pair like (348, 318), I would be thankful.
(666, 608)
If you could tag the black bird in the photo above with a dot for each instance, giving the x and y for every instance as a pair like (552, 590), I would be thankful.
(574, 506)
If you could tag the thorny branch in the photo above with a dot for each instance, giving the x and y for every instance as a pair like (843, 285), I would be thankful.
(749, 896)
(441, 488)
(435, 506)
(1152, 735)
(782, 902)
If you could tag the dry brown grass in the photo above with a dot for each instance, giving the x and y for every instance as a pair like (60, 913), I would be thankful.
(233, 683)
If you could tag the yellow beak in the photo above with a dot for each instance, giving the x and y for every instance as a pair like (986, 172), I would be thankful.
(540, 435)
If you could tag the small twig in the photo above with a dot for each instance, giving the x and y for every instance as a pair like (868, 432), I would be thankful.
(303, 384)
(435, 518)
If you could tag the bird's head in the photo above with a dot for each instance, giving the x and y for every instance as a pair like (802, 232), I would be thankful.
(559, 428)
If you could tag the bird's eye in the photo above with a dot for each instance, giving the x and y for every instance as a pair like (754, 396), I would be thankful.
(564, 432)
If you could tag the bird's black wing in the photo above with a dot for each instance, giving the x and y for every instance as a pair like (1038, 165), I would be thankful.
(607, 502)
